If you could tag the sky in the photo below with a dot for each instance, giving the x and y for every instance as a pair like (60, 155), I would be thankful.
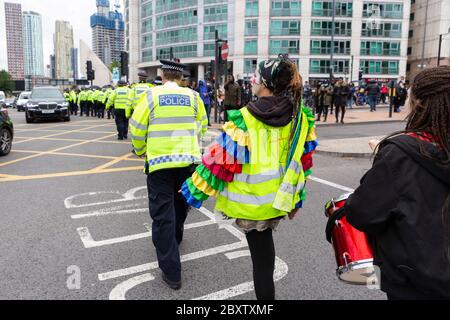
(77, 12)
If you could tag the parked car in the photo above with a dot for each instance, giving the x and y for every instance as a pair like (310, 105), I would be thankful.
(10, 102)
(6, 132)
(2, 99)
(23, 100)
(46, 103)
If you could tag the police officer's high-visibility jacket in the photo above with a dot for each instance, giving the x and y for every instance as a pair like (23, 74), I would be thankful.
(101, 97)
(89, 94)
(167, 126)
(73, 96)
(136, 92)
(66, 96)
(120, 99)
(82, 96)
(254, 170)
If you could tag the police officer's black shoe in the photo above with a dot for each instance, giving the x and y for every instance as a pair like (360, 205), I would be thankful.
(172, 285)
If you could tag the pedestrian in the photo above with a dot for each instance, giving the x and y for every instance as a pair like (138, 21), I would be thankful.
(232, 96)
(340, 95)
(384, 93)
(403, 202)
(120, 99)
(205, 94)
(326, 92)
(262, 188)
(400, 97)
(373, 93)
(164, 129)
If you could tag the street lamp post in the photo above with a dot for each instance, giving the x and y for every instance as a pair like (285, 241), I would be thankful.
(439, 50)
(332, 40)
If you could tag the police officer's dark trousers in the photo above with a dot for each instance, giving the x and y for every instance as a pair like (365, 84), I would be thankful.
(169, 211)
(121, 123)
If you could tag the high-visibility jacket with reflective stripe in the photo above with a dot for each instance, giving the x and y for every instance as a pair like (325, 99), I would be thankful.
(167, 126)
(102, 96)
(73, 96)
(82, 97)
(119, 98)
(136, 93)
(254, 194)
(66, 96)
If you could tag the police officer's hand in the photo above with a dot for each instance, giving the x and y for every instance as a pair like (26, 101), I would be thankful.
(293, 214)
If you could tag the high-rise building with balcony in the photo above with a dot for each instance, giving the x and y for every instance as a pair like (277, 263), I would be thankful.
(33, 44)
(370, 35)
(14, 40)
(63, 42)
(429, 21)
(107, 33)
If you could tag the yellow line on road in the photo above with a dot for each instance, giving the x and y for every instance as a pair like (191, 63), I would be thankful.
(111, 163)
(58, 134)
(9, 176)
(69, 174)
(73, 140)
(54, 150)
(76, 155)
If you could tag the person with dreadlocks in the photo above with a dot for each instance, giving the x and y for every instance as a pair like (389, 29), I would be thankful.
(403, 201)
(258, 166)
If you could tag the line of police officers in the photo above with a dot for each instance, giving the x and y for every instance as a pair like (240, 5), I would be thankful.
(117, 103)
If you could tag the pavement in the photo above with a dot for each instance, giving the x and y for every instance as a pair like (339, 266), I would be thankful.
(74, 224)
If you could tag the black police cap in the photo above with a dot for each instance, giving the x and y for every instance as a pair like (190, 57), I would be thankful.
(171, 65)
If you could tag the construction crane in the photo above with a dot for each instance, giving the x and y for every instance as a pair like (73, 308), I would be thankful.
(117, 5)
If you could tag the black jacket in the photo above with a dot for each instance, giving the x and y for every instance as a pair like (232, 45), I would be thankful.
(399, 205)
(373, 90)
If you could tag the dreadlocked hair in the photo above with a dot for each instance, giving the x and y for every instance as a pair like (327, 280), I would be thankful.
(430, 105)
(288, 82)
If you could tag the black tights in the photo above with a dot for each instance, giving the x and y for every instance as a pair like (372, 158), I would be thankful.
(342, 108)
(262, 250)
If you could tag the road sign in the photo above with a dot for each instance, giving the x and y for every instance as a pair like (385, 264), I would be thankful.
(225, 51)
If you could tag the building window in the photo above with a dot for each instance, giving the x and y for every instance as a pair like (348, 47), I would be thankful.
(251, 8)
(167, 5)
(412, 16)
(209, 50)
(323, 66)
(379, 67)
(409, 50)
(210, 31)
(325, 8)
(324, 47)
(284, 27)
(386, 30)
(325, 28)
(176, 36)
(383, 10)
(188, 51)
(285, 8)
(216, 13)
(251, 47)
(408, 67)
(176, 19)
(284, 46)
(147, 56)
(410, 33)
(250, 66)
(380, 48)
(146, 10)
(251, 27)
(146, 41)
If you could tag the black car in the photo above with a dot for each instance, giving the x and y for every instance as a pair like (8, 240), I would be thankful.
(6, 132)
(46, 103)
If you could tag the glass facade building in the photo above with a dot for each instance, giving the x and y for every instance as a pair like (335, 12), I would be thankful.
(369, 35)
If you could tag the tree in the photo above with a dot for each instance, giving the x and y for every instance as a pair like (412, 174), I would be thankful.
(114, 64)
(6, 84)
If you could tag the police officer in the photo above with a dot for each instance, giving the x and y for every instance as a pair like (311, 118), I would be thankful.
(82, 101)
(136, 92)
(157, 81)
(120, 100)
(165, 129)
(101, 100)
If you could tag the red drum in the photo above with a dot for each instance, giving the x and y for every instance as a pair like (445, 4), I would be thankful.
(354, 255)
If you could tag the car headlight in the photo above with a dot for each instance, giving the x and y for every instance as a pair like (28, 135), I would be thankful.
(30, 105)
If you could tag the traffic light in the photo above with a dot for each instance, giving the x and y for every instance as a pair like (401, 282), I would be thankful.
(124, 63)
(210, 72)
(89, 71)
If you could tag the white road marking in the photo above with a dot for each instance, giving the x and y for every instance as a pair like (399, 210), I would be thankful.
(130, 195)
(332, 184)
(281, 270)
(89, 242)
(106, 212)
